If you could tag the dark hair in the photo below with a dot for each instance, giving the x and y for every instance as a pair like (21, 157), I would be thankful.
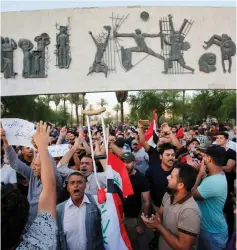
(218, 161)
(201, 131)
(187, 175)
(77, 173)
(194, 139)
(225, 134)
(87, 156)
(71, 162)
(166, 146)
(14, 215)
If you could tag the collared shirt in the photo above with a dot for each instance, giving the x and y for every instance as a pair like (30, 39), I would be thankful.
(181, 216)
(74, 224)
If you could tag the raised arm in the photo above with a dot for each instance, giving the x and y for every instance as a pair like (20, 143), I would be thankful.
(14, 161)
(116, 34)
(62, 135)
(142, 139)
(93, 38)
(174, 140)
(47, 199)
(152, 35)
(66, 158)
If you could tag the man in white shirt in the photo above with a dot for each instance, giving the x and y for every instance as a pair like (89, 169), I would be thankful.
(8, 175)
(78, 218)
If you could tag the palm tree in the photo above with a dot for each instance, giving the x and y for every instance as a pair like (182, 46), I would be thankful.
(76, 100)
(70, 99)
(121, 98)
(90, 107)
(116, 108)
(56, 99)
(48, 99)
(64, 98)
(102, 102)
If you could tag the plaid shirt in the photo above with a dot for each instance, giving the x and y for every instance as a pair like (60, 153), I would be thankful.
(203, 140)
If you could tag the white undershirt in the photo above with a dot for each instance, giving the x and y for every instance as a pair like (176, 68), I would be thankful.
(8, 174)
(74, 225)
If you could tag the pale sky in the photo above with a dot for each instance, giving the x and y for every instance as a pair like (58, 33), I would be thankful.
(18, 5)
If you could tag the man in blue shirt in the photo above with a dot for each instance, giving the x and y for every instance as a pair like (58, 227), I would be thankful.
(211, 195)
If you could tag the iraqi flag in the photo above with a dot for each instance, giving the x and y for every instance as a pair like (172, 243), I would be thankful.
(150, 135)
(114, 234)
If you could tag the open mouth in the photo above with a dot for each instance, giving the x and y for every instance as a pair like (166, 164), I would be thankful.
(76, 191)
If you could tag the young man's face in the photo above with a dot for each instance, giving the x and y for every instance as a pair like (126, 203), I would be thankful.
(221, 140)
(173, 180)
(135, 147)
(129, 165)
(168, 158)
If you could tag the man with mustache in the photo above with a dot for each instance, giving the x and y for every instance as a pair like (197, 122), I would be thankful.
(178, 219)
(78, 218)
(86, 168)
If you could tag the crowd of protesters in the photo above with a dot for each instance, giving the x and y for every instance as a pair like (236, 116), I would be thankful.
(184, 188)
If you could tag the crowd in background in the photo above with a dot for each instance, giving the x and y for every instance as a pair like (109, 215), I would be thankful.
(183, 182)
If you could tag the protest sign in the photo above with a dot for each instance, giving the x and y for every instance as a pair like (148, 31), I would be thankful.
(58, 150)
(18, 131)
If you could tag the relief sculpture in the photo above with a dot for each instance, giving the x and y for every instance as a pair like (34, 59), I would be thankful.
(99, 65)
(7, 49)
(63, 53)
(35, 62)
(227, 46)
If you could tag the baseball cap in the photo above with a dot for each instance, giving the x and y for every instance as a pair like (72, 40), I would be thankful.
(128, 156)
(135, 142)
(214, 151)
(193, 140)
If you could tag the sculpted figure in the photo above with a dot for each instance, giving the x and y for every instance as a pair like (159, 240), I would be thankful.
(7, 48)
(227, 46)
(98, 64)
(207, 63)
(177, 46)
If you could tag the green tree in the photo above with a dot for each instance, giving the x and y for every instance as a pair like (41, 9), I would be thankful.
(76, 100)
(56, 99)
(121, 98)
(102, 102)
(228, 107)
(116, 108)
(142, 104)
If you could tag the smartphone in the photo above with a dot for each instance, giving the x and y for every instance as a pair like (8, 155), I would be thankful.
(144, 122)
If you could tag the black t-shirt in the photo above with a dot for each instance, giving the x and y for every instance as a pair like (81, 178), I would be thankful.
(157, 177)
(132, 204)
(231, 176)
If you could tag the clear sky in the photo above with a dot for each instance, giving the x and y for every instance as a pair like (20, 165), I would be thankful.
(20, 5)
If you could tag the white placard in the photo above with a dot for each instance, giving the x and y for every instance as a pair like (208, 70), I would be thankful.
(18, 131)
(58, 150)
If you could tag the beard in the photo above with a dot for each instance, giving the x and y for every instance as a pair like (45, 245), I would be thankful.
(171, 191)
